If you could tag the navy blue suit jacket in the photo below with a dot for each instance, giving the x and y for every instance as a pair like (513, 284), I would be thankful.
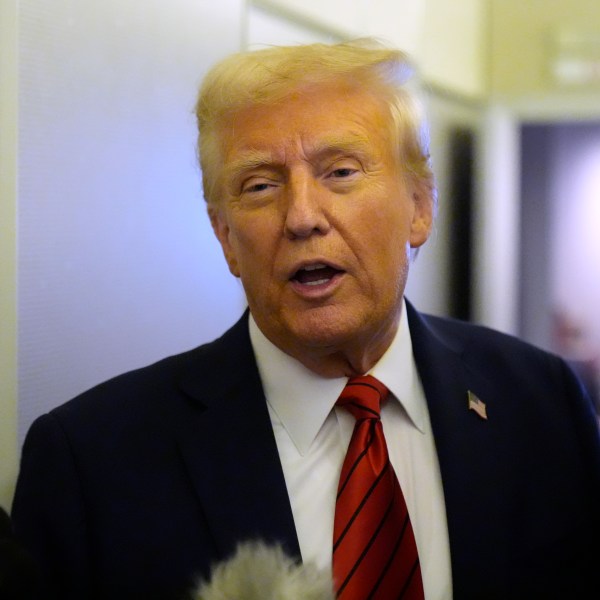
(133, 489)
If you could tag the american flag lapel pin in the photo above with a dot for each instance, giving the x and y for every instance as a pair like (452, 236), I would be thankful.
(477, 405)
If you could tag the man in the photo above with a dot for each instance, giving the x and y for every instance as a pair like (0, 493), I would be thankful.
(319, 190)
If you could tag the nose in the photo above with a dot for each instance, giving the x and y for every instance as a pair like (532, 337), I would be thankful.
(304, 208)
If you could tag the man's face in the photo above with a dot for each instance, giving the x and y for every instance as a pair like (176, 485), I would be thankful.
(317, 218)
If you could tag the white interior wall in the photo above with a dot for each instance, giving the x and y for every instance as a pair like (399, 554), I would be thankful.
(265, 27)
(448, 40)
(117, 266)
(497, 221)
(395, 21)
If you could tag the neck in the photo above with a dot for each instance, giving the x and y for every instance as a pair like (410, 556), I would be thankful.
(355, 357)
(339, 364)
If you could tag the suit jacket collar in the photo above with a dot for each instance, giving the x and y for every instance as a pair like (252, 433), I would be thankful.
(466, 447)
(229, 419)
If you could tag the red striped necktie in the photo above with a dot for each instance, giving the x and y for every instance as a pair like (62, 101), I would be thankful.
(374, 550)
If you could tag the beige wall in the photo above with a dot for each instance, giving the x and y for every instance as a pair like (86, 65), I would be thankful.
(8, 182)
(454, 51)
(523, 35)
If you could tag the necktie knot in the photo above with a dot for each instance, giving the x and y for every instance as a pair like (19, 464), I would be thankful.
(363, 397)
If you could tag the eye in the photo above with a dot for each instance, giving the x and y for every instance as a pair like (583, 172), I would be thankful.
(256, 187)
(342, 172)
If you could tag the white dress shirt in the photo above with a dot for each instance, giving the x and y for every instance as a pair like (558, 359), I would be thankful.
(312, 436)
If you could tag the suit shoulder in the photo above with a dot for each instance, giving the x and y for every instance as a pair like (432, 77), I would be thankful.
(161, 381)
(467, 337)
(497, 355)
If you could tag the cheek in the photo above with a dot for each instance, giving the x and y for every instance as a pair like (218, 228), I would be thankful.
(253, 244)
(391, 230)
(391, 248)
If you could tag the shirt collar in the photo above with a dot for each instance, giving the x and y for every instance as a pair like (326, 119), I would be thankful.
(301, 399)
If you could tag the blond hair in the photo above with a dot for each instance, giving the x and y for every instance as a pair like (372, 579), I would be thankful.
(269, 75)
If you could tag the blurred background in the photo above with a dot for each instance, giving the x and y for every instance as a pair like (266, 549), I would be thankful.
(107, 261)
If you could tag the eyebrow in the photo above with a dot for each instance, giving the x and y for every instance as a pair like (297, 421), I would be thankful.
(327, 146)
(251, 159)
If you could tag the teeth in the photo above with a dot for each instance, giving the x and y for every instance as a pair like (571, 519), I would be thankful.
(317, 282)
(314, 267)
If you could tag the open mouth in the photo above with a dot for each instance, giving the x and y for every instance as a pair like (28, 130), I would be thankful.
(315, 274)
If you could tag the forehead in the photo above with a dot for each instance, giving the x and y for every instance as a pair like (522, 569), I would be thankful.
(315, 118)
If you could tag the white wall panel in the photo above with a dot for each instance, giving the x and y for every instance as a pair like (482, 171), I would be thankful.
(117, 263)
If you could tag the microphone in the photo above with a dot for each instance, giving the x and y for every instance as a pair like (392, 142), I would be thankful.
(258, 571)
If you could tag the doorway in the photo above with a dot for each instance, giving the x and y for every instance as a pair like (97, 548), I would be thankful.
(560, 243)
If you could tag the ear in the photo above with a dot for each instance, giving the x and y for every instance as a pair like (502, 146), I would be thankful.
(220, 226)
(423, 214)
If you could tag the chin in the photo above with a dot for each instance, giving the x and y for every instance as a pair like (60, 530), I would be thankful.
(327, 328)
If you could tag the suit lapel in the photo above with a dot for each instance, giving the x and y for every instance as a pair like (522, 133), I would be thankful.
(466, 445)
(229, 449)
